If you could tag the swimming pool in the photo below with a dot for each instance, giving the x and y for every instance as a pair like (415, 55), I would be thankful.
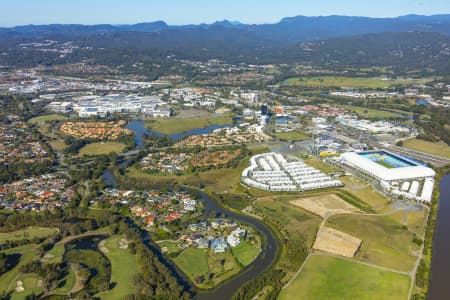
(387, 160)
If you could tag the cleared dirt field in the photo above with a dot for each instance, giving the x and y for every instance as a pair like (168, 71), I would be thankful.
(336, 242)
(324, 204)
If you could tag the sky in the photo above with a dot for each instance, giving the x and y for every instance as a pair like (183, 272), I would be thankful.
(178, 12)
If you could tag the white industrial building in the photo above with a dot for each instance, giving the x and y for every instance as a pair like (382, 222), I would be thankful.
(149, 106)
(60, 107)
(273, 172)
(413, 181)
(371, 126)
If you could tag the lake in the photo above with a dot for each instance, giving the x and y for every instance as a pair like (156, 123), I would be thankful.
(138, 127)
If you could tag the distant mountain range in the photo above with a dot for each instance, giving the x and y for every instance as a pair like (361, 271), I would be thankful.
(411, 41)
(288, 30)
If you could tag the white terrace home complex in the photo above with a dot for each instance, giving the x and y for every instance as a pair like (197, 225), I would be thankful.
(273, 172)
(396, 174)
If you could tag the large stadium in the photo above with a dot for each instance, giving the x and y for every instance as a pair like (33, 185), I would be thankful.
(396, 174)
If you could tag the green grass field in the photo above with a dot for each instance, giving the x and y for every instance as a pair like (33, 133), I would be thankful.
(348, 82)
(320, 165)
(180, 124)
(123, 269)
(57, 252)
(45, 118)
(171, 246)
(440, 149)
(364, 191)
(385, 242)
(299, 224)
(325, 277)
(415, 220)
(245, 253)
(27, 233)
(67, 283)
(7, 280)
(58, 145)
(294, 219)
(193, 262)
(205, 268)
(292, 135)
(365, 112)
(30, 284)
(102, 148)
(222, 266)
(93, 261)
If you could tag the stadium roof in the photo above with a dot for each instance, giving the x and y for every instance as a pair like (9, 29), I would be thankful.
(383, 173)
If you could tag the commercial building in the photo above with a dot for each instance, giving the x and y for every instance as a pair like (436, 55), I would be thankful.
(148, 106)
(60, 107)
(371, 126)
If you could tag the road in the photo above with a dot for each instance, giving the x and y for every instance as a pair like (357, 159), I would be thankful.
(438, 161)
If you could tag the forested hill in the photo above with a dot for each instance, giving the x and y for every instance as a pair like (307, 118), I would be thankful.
(288, 31)
(402, 51)
(406, 43)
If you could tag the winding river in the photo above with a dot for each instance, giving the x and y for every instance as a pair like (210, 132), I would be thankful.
(268, 255)
(269, 252)
(270, 247)
(440, 263)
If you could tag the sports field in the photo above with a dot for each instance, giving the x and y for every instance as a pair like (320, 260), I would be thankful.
(102, 148)
(292, 135)
(325, 277)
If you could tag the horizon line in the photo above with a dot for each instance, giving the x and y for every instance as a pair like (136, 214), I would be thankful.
(223, 20)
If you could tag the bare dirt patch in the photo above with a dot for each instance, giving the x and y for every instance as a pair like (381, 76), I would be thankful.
(123, 244)
(336, 242)
(324, 204)
(102, 247)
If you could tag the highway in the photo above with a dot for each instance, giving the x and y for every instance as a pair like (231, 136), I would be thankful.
(435, 160)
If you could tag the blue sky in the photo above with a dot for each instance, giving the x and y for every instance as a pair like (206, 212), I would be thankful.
(20, 12)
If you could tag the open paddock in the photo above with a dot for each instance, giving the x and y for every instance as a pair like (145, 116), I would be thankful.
(326, 277)
(102, 148)
(336, 242)
(324, 204)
